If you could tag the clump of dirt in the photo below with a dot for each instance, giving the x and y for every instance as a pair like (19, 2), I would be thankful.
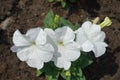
(31, 13)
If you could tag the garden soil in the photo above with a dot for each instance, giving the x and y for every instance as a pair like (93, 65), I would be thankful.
(26, 14)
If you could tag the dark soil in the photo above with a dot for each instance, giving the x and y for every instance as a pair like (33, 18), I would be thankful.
(31, 13)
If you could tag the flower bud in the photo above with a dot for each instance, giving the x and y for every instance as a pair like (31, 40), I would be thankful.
(56, 20)
(106, 22)
(68, 73)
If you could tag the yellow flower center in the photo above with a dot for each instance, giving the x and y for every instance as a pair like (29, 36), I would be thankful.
(33, 43)
(61, 43)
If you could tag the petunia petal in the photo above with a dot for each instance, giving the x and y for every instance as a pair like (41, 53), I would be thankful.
(73, 55)
(35, 63)
(62, 63)
(45, 53)
(51, 34)
(19, 39)
(87, 46)
(94, 30)
(67, 65)
(73, 50)
(47, 47)
(86, 26)
(40, 56)
(33, 33)
(41, 38)
(35, 57)
(100, 37)
(99, 48)
(65, 34)
(17, 48)
(24, 53)
(81, 36)
(14, 48)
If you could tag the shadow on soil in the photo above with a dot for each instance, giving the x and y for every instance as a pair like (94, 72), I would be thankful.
(90, 6)
(105, 65)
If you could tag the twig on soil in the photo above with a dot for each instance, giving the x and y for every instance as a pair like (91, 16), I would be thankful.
(6, 23)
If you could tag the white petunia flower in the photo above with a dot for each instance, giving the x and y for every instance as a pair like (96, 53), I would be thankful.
(91, 38)
(66, 50)
(32, 47)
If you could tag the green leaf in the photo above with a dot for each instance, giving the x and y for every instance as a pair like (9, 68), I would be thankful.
(85, 60)
(49, 20)
(76, 26)
(77, 74)
(63, 3)
(38, 73)
(63, 74)
(50, 0)
(50, 71)
(58, 0)
(48, 77)
(64, 22)
(73, 1)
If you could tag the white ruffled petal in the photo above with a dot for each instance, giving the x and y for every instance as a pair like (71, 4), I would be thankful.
(86, 26)
(35, 56)
(19, 39)
(62, 63)
(65, 34)
(17, 48)
(87, 46)
(39, 57)
(41, 38)
(14, 48)
(33, 33)
(73, 55)
(94, 30)
(100, 37)
(81, 36)
(35, 63)
(46, 52)
(47, 47)
(67, 65)
(51, 34)
(24, 53)
(99, 48)
(72, 51)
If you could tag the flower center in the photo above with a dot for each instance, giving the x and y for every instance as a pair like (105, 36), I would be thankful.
(61, 43)
(33, 43)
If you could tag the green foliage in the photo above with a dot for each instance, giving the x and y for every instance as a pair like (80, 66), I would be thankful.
(63, 74)
(49, 20)
(77, 74)
(51, 72)
(38, 73)
(73, 1)
(50, 0)
(64, 3)
(85, 60)
(55, 21)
